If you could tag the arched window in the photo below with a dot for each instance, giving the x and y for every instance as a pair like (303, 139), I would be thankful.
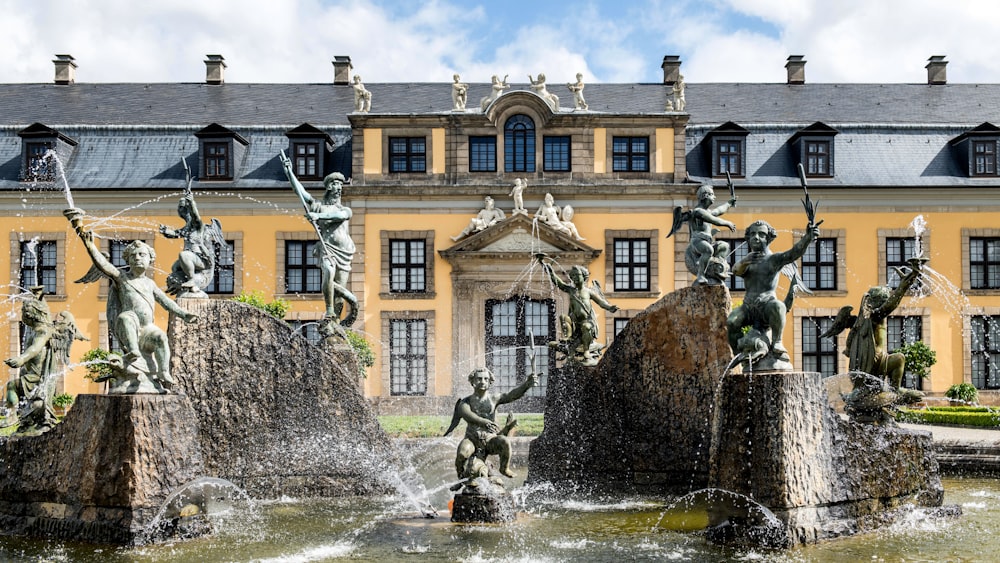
(519, 144)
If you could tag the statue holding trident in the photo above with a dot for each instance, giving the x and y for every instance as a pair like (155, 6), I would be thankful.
(335, 248)
(761, 310)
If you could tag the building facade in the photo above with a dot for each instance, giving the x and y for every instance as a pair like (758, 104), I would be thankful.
(898, 169)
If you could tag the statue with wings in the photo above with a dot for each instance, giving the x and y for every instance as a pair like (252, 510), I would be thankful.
(703, 246)
(195, 266)
(866, 345)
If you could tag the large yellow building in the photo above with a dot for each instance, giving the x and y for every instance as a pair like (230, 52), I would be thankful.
(887, 162)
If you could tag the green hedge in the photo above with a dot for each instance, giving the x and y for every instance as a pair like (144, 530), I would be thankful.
(964, 416)
(528, 424)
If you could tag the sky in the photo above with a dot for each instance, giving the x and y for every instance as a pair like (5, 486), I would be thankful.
(620, 41)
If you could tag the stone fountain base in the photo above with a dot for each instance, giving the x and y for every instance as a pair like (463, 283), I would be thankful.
(475, 508)
(777, 440)
(259, 408)
(103, 473)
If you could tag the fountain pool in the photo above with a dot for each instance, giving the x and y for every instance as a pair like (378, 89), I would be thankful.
(577, 527)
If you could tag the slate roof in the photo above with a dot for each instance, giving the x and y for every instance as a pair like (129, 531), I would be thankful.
(133, 135)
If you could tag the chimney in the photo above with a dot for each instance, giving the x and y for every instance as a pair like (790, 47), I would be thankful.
(65, 69)
(936, 70)
(671, 69)
(796, 68)
(342, 69)
(215, 69)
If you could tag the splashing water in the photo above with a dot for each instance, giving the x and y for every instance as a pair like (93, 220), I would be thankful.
(919, 226)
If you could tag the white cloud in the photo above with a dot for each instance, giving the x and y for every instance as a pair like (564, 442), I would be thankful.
(295, 40)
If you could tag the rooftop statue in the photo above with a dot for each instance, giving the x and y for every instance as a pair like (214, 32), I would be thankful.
(577, 89)
(483, 436)
(335, 249)
(195, 266)
(362, 97)
(486, 218)
(28, 399)
(580, 326)
(539, 87)
(703, 247)
(517, 192)
(558, 219)
(131, 299)
(866, 349)
(459, 93)
(498, 87)
(678, 102)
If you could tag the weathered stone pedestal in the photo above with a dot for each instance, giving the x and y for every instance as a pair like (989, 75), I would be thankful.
(777, 440)
(102, 474)
(494, 508)
(640, 419)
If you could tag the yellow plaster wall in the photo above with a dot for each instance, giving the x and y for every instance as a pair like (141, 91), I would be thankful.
(664, 157)
(437, 150)
(600, 150)
(372, 151)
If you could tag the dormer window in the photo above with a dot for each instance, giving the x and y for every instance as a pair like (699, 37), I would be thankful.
(220, 151)
(39, 144)
(812, 147)
(37, 167)
(308, 148)
(976, 151)
(727, 145)
(984, 158)
(217, 165)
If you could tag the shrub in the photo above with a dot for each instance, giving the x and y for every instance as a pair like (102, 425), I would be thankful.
(362, 350)
(964, 416)
(62, 400)
(919, 358)
(965, 392)
(277, 308)
(97, 370)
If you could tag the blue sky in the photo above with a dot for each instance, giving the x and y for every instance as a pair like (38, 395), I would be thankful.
(397, 40)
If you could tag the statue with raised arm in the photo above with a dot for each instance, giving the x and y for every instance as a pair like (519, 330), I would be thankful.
(872, 366)
(517, 192)
(486, 218)
(498, 87)
(131, 302)
(577, 89)
(335, 249)
(28, 398)
(362, 97)
(543, 92)
(580, 326)
(483, 436)
(195, 265)
(761, 308)
(459, 93)
(703, 246)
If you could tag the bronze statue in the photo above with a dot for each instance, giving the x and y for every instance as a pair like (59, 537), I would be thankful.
(29, 397)
(483, 436)
(580, 327)
(866, 348)
(335, 249)
(761, 308)
(195, 265)
(703, 246)
(131, 300)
